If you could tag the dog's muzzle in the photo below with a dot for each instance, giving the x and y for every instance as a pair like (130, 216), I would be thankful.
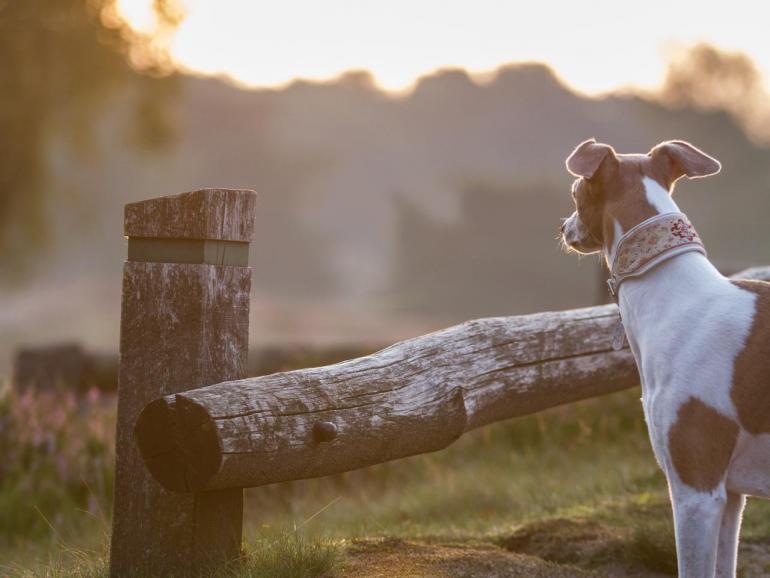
(577, 236)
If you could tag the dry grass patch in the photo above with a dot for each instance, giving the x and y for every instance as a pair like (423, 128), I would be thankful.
(392, 557)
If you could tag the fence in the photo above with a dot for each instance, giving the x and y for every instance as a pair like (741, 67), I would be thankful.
(192, 434)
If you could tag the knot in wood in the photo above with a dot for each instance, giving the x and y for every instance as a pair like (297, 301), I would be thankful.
(324, 431)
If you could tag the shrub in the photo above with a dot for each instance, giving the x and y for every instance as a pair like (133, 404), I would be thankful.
(58, 457)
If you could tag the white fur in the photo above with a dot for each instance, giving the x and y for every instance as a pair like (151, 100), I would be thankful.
(618, 232)
(659, 197)
(686, 324)
(574, 231)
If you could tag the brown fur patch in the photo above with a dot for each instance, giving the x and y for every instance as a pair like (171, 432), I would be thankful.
(751, 377)
(617, 193)
(589, 208)
(678, 158)
(701, 443)
(627, 198)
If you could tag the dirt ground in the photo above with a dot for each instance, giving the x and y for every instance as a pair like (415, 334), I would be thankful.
(581, 549)
(391, 558)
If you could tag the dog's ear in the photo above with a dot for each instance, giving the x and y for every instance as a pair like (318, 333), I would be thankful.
(586, 159)
(677, 158)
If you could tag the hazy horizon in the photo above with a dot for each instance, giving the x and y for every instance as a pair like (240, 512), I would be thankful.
(381, 215)
(592, 48)
(378, 218)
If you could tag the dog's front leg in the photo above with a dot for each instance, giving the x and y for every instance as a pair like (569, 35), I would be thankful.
(727, 552)
(697, 522)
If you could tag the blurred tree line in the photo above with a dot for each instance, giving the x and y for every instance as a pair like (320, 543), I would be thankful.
(707, 78)
(64, 62)
(61, 61)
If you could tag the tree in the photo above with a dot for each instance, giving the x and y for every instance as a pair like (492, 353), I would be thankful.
(60, 60)
(709, 79)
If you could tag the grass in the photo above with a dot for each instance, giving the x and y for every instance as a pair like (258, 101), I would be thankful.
(275, 554)
(652, 545)
(288, 554)
(575, 485)
(66, 562)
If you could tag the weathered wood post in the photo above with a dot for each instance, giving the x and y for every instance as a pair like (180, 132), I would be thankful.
(184, 320)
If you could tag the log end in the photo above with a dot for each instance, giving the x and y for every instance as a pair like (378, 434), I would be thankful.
(179, 444)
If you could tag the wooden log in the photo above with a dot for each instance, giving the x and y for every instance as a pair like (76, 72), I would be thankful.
(416, 396)
(182, 323)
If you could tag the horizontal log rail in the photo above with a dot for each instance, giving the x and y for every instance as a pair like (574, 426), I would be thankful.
(414, 397)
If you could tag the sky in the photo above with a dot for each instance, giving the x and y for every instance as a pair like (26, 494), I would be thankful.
(595, 46)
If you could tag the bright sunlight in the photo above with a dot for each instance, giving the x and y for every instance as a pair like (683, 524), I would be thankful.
(594, 46)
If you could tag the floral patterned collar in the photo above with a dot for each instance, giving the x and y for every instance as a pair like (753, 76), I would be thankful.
(649, 244)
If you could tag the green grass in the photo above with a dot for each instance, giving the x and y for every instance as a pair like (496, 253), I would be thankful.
(578, 481)
(273, 554)
(652, 544)
(57, 559)
(288, 554)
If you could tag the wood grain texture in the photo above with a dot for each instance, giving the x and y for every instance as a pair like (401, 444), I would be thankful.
(416, 396)
(223, 214)
(181, 323)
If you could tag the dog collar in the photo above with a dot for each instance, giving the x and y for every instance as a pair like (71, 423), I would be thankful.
(650, 243)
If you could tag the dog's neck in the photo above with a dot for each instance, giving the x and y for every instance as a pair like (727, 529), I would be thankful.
(664, 289)
(659, 198)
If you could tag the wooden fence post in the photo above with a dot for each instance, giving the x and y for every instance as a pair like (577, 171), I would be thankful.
(184, 320)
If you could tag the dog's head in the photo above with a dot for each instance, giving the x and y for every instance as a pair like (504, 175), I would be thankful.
(613, 192)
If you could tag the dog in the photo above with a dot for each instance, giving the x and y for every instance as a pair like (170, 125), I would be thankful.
(701, 341)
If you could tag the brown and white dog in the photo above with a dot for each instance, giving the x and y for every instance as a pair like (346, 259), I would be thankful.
(700, 340)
